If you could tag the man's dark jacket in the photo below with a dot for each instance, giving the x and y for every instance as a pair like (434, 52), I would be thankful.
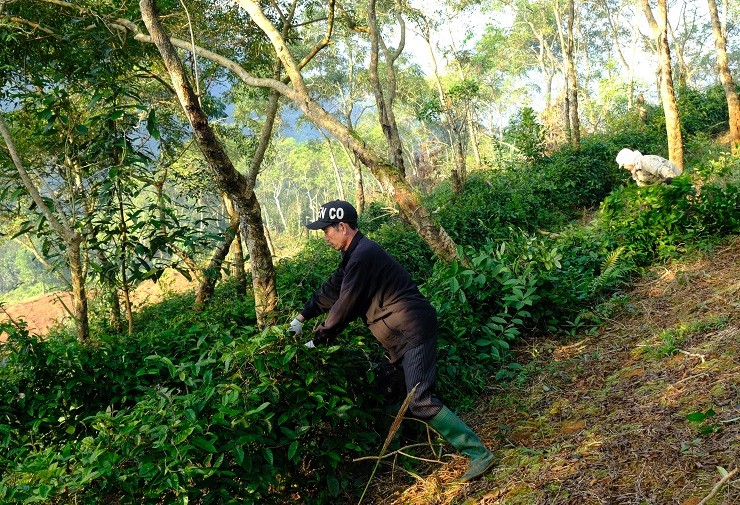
(370, 283)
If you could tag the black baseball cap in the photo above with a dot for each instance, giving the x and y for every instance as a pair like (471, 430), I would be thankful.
(334, 212)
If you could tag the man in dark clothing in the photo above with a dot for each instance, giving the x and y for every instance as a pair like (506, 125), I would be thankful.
(369, 283)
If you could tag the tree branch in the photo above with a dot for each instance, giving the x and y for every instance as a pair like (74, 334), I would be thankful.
(717, 487)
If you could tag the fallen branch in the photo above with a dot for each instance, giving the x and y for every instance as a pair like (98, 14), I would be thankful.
(717, 487)
(728, 421)
(693, 355)
(391, 433)
(397, 452)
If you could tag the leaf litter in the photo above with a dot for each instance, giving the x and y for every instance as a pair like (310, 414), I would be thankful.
(602, 418)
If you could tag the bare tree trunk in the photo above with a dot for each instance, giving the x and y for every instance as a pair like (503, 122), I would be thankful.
(567, 42)
(384, 98)
(458, 173)
(269, 241)
(79, 293)
(238, 269)
(72, 239)
(213, 271)
(359, 187)
(115, 309)
(723, 68)
(473, 132)
(124, 278)
(668, 96)
(337, 172)
(227, 177)
(277, 190)
(566, 115)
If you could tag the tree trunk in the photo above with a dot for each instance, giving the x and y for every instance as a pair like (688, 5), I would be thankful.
(723, 68)
(228, 178)
(79, 294)
(213, 271)
(472, 131)
(458, 173)
(239, 270)
(337, 172)
(124, 278)
(668, 96)
(237, 251)
(567, 43)
(384, 98)
(359, 186)
(72, 240)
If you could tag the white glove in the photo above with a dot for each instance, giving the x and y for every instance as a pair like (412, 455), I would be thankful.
(296, 326)
(310, 345)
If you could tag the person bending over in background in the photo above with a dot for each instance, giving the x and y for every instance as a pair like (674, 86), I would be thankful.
(647, 169)
(371, 284)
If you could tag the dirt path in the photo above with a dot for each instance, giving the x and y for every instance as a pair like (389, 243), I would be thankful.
(601, 419)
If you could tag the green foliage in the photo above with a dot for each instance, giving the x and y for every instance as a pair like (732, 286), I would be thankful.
(650, 222)
(496, 204)
(526, 133)
(300, 276)
(21, 274)
(400, 240)
(703, 111)
(514, 288)
(582, 178)
(207, 415)
(700, 420)
(628, 130)
(654, 223)
(672, 338)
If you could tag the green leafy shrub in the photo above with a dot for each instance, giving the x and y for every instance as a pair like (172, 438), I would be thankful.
(405, 244)
(650, 221)
(582, 178)
(526, 133)
(300, 276)
(496, 204)
(220, 416)
(525, 285)
(703, 111)
(654, 223)
(719, 199)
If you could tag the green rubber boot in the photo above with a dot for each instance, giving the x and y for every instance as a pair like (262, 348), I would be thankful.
(462, 438)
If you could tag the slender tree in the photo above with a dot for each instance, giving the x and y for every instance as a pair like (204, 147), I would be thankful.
(667, 93)
(723, 68)
(65, 229)
(567, 44)
(228, 178)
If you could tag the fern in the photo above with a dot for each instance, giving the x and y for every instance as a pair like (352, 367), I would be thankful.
(612, 271)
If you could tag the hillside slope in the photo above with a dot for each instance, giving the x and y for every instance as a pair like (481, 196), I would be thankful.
(601, 418)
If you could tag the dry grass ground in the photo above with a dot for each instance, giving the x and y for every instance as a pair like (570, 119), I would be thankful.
(601, 418)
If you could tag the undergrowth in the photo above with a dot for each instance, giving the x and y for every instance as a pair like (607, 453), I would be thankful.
(203, 407)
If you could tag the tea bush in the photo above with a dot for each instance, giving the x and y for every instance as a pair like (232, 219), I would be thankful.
(243, 418)
(522, 286)
(496, 204)
(654, 223)
(200, 407)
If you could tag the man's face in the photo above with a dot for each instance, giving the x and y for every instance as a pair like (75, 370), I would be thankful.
(335, 236)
